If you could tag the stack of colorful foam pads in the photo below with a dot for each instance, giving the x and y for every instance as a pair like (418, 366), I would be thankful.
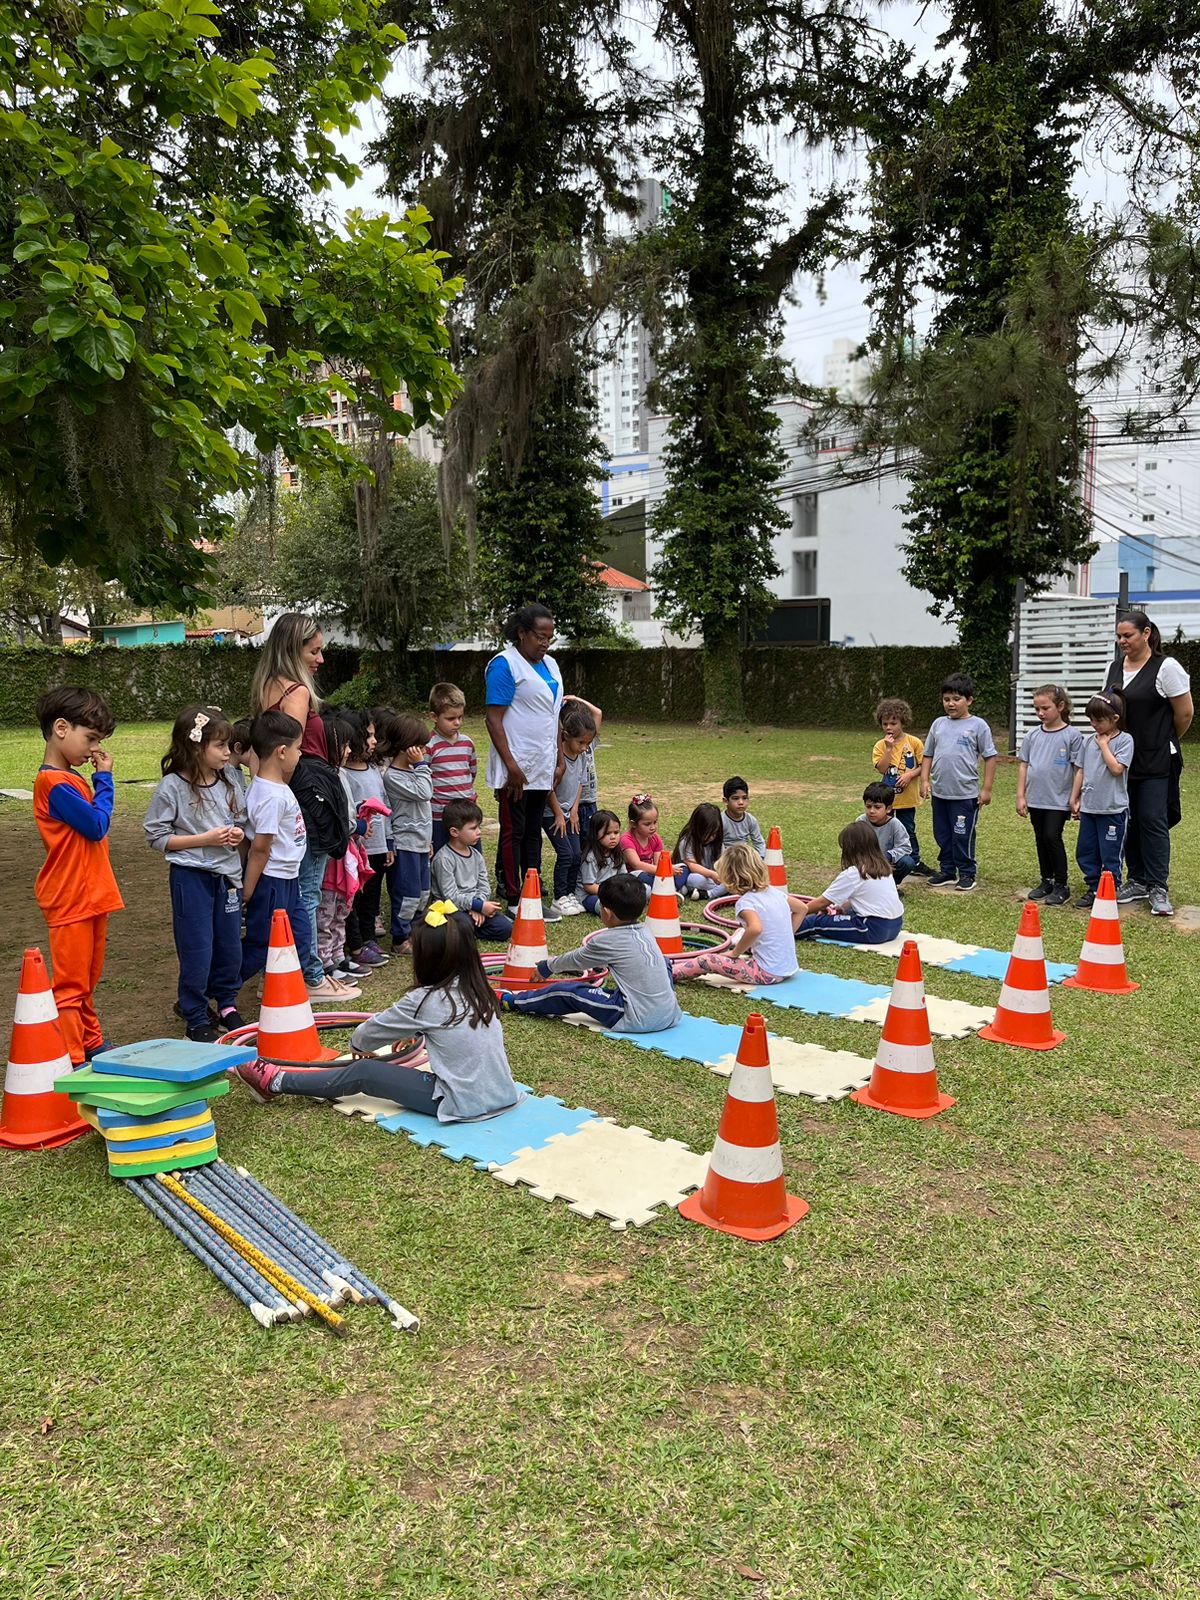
(151, 1102)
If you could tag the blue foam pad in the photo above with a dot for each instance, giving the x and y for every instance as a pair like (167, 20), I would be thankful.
(164, 1141)
(821, 994)
(527, 1126)
(115, 1119)
(994, 964)
(172, 1060)
(691, 1039)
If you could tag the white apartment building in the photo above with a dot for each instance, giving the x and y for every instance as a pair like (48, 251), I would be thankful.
(626, 361)
(844, 372)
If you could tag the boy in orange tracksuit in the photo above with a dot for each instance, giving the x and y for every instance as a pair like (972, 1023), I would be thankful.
(75, 888)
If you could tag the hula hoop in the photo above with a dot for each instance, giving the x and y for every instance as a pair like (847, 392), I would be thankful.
(326, 1020)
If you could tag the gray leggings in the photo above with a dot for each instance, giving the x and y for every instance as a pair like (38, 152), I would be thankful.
(410, 1087)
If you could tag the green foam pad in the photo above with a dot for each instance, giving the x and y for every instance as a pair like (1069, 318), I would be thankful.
(168, 1161)
(137, 1097)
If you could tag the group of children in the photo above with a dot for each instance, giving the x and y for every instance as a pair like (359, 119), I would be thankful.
(394, 803)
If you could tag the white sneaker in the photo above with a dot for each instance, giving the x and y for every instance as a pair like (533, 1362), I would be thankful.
(567, 906)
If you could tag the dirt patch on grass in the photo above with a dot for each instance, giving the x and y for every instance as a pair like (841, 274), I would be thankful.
(357, 1420)
(1139, 1124)
(585, 1282)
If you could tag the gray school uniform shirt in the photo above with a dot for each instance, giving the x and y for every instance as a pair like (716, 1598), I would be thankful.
(460, 879)
(1103, 792)
(955, 747)
(893, 837)
(1051, 759)
(638, 968)
(176, 808)
(569, 787)
(368, 785)
(469, 1064)
(747, 831)
(409, 792)
(593, 870)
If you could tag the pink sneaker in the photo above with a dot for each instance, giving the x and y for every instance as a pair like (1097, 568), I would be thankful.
(257, 1075)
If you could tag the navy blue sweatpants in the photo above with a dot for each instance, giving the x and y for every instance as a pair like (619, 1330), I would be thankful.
(569, 997)
(271, 895)
(408, 889)
(1100, 845)
(954, 824)
(206, 911)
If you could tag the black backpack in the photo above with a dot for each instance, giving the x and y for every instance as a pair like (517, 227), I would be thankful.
(322, 800)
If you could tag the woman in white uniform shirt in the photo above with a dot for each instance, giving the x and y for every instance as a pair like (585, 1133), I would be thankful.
(523, 695)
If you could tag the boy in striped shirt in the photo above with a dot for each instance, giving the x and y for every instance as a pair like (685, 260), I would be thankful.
(452, 758)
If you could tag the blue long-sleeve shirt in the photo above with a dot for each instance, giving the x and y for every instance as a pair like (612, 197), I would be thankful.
(92, 820)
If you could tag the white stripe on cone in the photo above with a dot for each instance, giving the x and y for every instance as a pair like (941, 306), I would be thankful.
(31, 1008)
(1029, 1001)
(1106, 910)
(282, 958)
(1027, 948)
(742, 1163)
(904, 1057)
(531, 910)
(751, 1084)
(526, 955)
(1104, 955)
(285, 1019)
(908, 994)
(37, 1077)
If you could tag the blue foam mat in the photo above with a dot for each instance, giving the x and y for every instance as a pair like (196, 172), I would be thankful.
(821, 994)
(691, 1039)
(172, 1060)
(983, 964)
(527, 1126)
(117, 1119)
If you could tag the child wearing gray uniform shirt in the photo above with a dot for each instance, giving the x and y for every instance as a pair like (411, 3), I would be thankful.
(892, 836)
(1049, 757)
(460, 875)
(643, 999)
(408, 784)
(954, 747)
(737, 824)
(1100, 796)
(452, 1013)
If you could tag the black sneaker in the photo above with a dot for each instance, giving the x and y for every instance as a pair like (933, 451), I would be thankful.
(549, 914)
(1042, 892)
(208, 1034)
(1084, 902)
(230, 1019)
(938, 880)
(921, 870)
(1058, 896)
(347, 970)
(965, 885)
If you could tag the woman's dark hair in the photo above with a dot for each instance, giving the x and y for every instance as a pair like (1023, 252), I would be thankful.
(359, 724)
(339, 732)
(859, 844)
(1108, 703)
(704, 828)
(195, 727)
(448, 955)
(526, 620)
(639, 805)
(598, 825)
(1142, 622)
(399, 732)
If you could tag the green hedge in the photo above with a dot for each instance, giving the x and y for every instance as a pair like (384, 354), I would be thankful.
(814, 688)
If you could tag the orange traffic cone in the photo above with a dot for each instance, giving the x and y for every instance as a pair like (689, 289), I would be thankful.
(776, 870)
(744, 1192)
(34, 1114)
(1023, 1013)
(1102, 959)
(527, 946)
(286, 1030)
(904, 1079)
(662, 914)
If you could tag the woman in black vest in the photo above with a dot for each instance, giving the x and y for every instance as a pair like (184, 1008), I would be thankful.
(1158, 713)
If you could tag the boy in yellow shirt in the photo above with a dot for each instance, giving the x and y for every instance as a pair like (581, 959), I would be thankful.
(897, 759)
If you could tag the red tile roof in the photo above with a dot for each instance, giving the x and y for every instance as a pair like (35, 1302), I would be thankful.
(612, 579)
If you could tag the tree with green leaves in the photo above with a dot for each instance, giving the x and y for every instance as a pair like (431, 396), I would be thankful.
(395, 594)
(166, 286)
(725, 258)
(971, 202)
(517, 155)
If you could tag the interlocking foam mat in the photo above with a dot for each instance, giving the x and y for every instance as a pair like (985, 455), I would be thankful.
(977, 960)
(821, 994)
(609, 1171)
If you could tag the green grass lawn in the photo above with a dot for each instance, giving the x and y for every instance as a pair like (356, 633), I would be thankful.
(970, 1371)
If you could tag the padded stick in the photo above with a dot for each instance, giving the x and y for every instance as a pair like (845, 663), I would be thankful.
(401, 1318)
(262, 1314)
(216, 1200)
(249, 1204)
(256, 1281)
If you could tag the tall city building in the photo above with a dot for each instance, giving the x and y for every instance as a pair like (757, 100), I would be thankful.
(845, 372)
(626, 364)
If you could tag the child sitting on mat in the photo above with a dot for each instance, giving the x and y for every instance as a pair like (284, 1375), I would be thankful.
(643, 999)
(861, 905)
(765, 949)
(452, 1012)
